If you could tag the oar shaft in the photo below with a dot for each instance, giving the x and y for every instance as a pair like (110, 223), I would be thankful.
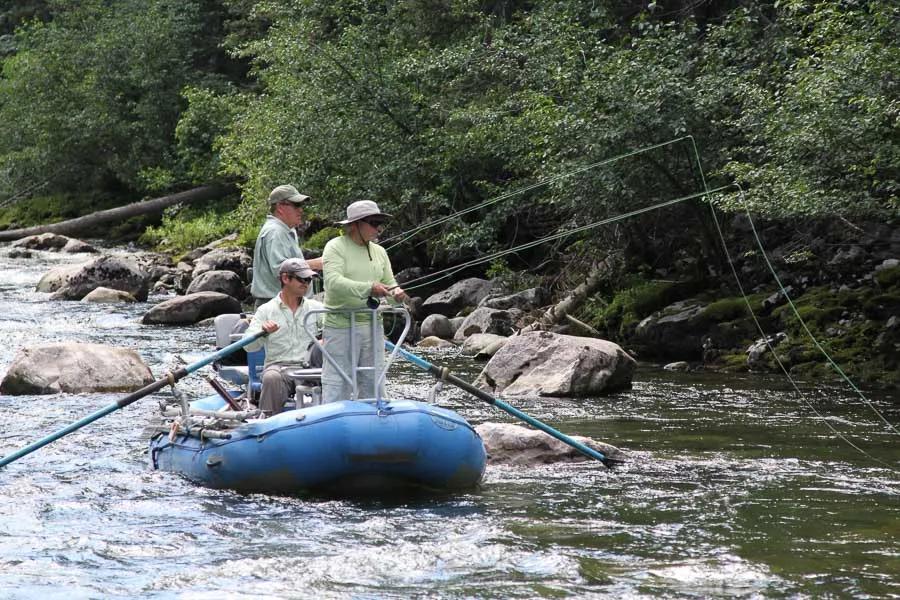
(482, 395)
(133, 397)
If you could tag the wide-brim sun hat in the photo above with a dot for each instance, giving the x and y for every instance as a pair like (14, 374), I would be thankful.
(295, 266)
(362, 209)
(287, 193)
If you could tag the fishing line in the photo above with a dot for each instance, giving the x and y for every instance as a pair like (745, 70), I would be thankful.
(763, 332)
(410, 233)
(450, 271)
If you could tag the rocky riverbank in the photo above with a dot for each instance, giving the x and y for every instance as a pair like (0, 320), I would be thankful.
(832, 304)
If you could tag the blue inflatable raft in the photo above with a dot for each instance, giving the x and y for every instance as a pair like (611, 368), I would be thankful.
(343, 447)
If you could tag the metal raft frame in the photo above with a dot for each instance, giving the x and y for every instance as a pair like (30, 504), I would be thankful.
(380, 375)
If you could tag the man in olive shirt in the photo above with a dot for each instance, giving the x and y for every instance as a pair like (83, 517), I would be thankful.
(289, 342)
(277, 241)
(355, 269)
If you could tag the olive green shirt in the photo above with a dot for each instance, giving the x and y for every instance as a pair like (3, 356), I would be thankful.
(350, 270)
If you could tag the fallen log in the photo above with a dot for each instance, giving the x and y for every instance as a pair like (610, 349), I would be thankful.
(145, 207)
(560, 311)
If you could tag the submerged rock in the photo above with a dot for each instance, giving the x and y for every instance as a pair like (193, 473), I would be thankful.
(508, 443)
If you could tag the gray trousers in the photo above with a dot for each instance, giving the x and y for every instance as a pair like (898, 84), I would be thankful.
(276, 387)
(337, 344)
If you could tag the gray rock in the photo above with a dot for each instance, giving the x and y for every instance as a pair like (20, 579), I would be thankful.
(44, 241)
(486, 320)
(455, 323)
(237, 260)
(224, 282)
(760, 347)
(107, 271)
(526, 300)
(75, 368)
(680, 365)
(434, 342)
(57, 278)
(185, 310)
(102, 295)
(462, 294)
(508, 443)
(549, 364)
(438, 326)
(78, 247)
(477, 342)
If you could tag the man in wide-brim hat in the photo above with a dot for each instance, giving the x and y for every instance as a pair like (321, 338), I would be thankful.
(356, 269)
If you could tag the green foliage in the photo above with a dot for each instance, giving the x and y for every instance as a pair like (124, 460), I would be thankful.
(819, 111)
(318, 240)
(629, 305)
(191, 227)
(51, 209)
(434, 106)
(510, 280)
(91, 97)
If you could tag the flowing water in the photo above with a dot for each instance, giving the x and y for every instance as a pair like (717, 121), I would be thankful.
(733, 488)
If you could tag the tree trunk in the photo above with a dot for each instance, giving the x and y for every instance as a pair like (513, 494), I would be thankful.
(145, 207)
(560, 311)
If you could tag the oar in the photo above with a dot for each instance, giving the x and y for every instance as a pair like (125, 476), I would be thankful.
(445, 375)
(169, 379)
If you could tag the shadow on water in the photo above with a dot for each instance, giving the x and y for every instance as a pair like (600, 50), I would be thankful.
(733, 488)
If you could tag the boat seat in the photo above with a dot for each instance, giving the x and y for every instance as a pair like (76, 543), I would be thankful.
(224, 325)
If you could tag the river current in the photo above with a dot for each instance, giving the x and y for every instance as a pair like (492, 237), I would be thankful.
(733, 487)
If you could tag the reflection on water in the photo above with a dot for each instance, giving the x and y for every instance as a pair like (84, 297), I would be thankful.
(733, 487)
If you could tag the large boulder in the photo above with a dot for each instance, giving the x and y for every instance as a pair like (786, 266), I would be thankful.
(550, 364)
(507, 443)
(677, 330)
(462, 294)
(57, 278)
(193, 308)
(225, 282)
(75, 368)
(112, 272)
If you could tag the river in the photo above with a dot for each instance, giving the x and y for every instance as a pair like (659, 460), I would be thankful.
(733, 488)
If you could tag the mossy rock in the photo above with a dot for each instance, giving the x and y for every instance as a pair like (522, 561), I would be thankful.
(734, 362)
(882, 306)
(726, 309)
(888, 278)
(630, 305)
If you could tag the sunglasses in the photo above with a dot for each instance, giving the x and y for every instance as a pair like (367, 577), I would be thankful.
(300, 279)
(374, 222)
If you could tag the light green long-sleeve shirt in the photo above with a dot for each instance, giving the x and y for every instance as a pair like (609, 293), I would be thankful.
(275, 243)
(290, 344)
(350, 270)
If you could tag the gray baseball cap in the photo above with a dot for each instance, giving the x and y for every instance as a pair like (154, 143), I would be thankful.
(287, 193)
